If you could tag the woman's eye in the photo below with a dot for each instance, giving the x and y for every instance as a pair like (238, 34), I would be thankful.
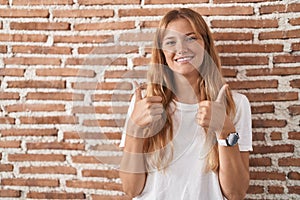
(190, 39)
(169, 43)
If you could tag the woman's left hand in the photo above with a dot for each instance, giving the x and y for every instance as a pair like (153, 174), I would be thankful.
(212, 115)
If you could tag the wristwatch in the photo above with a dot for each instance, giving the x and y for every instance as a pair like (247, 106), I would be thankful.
(231, 140)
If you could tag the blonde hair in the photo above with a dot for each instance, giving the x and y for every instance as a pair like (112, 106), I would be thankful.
(160, 83)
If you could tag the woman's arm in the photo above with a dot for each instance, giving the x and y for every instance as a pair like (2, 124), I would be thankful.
(132, 169)
(133, 172)
(233, 172)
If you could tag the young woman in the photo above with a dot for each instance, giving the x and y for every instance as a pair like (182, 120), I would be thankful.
(189, 137)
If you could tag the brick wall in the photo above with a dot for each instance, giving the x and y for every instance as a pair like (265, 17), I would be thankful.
(66, 68)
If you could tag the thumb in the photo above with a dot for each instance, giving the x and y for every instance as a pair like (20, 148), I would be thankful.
(138, 91)
(221, 96)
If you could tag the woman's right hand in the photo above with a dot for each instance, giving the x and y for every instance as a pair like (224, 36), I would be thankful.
(146, 111)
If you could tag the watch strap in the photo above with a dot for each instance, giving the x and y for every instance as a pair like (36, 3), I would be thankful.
(222, 142)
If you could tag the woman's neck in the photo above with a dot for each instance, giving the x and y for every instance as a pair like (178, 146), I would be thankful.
(187, 89)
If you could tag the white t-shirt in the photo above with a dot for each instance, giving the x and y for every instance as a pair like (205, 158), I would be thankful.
(185, 177)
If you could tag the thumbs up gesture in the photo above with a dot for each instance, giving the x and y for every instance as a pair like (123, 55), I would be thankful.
(212, 115)
(146, 111)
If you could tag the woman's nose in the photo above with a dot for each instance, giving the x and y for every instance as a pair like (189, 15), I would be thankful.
(181, 47)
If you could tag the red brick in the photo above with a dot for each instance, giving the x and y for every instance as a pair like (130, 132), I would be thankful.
(48, 170)
(282, 8)
(49, 120)
(289, 162)
(109, 50)
(259, 24)
(255, 162)
(100, 109)
(250, 48)
(267, 176)
(275, 189)
(102, 86)
(149, 24)
(104, 123)
(93, 185)
(244, 60)
(296, 46)
(36, 157)
(92, 135)
(255, 189)
(30, 182)
(294, 189)
(276, 136)
(294, 110)
(236, 36)
(84, 39)
(29, 132)
(41, 50)
(110, 174)
(240, 1)
(9, 96)
(83, 13)
(3, 2)
(31, 61)
(279, 34)
(66, 72)
(10, 193)
(253, 84)
(23, 38)
(174, 1)
(125, 74)
(266, 96)
(28, 13)
(295, 83)
(229, 72)
(7, 120)
(12, 72)
(3, 49)
(10, 144)
(85, 159)
(34, 107)
(96, 61)
(294, 135)
(282, 71)
(258, 136)
(262, 109)
(111, 97)
(105, 26)
(36, 84)
(285, 148)
(268, 123)
(294, 175)
(287, 59)
(136, 37)
(237, 10)
(6, 168)
(64, 96)
(44, 2)
(294, 21)
(55, 145)
(109, 197)
(108, 2)
(55, 195)
(48, 26)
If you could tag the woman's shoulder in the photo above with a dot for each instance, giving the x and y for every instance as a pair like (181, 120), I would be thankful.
(240, 99)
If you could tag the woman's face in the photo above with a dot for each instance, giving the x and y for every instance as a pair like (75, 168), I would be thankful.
(183, 50)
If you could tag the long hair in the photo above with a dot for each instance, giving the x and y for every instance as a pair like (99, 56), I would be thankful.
(161, 83)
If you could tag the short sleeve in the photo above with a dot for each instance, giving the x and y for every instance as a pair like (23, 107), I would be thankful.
(130, 109)
(243, 122)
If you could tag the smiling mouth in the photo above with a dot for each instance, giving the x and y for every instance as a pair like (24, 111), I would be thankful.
(184, 59)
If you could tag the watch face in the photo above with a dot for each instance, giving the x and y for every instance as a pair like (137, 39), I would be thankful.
(232, 139)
